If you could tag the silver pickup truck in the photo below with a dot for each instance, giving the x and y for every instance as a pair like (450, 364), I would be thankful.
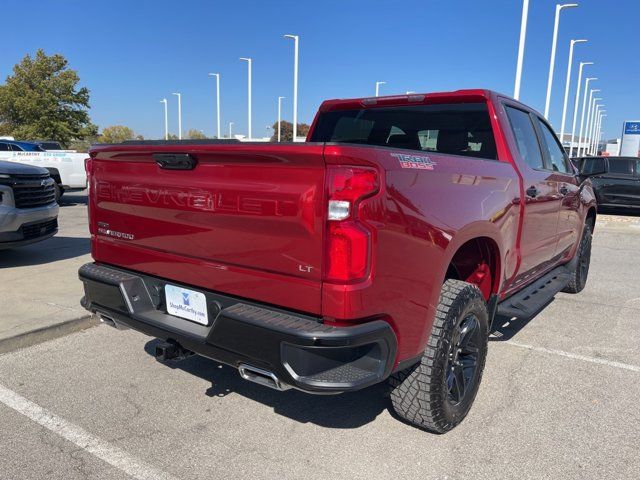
(28, 209)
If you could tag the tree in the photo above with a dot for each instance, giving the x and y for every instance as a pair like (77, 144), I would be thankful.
(286, 131)
(41, 100)
(194, 134)
(116, 134)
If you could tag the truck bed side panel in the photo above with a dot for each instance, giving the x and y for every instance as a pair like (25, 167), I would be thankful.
(422, 218)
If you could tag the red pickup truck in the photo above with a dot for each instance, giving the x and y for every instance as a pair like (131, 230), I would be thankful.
(382, 248)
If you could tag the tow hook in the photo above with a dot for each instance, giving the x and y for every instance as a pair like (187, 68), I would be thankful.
(171, 350)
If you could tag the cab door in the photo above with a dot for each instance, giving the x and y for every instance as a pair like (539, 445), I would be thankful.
(541, 200)
(566, 187)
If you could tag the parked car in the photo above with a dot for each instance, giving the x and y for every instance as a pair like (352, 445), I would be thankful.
(380, 249)
(17, 146)
(615, 180)
(48, 145)
(28, 210)
(66, 167)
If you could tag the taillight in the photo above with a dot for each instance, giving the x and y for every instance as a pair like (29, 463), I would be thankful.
(348, 245)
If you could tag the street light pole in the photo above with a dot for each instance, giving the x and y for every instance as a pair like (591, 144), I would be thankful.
(279, 115)
(230, 125)
(595, 113)
(248, 60)
(584, 108)
(575, 107)
(179, 115)
(296, 40)
(378, 87)
(596, 127)
(523, 37)
(166, 119)
(591, 121)
(592, 102)
(552, 61)
(217, 75)
(566, 87)
(600, 133)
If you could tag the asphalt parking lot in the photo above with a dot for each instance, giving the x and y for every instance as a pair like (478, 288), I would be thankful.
(559, 399)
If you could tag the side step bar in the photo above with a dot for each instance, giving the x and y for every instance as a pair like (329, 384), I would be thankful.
(532, 299)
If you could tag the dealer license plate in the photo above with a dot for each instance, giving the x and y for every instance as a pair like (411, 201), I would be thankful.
(185, 303)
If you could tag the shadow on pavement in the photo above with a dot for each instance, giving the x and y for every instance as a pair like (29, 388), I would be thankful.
(51, 250)
(347, 410)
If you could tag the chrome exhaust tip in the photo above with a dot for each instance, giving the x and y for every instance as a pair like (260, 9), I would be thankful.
(261, 377)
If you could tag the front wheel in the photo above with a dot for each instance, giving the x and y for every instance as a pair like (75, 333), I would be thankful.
(581, 272)
(437, 393)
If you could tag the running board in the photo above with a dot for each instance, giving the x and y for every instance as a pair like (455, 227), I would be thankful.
(532, 299)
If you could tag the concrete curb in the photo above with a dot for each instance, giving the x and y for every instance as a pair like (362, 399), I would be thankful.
(618, 222)
(49, 332)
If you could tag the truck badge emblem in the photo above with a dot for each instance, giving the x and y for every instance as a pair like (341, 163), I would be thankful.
(420, 162)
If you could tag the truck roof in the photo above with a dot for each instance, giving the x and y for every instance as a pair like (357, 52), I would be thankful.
(465, 95)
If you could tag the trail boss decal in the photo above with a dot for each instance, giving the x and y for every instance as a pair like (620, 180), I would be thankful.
(414, 161)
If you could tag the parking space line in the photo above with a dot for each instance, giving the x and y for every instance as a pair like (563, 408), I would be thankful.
(80, 437)
(575, 356)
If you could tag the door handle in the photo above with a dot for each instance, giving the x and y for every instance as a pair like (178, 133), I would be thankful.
(564, 190)
(532, 192)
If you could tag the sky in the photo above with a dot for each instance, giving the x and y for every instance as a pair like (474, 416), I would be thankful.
(131, 54)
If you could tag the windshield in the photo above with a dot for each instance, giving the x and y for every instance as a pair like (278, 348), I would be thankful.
(455, 129)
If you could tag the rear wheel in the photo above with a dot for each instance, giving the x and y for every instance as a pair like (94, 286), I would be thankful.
(437, 393)
(581, 272)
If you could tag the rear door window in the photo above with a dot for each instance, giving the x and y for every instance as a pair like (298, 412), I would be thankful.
(557, 157)
(454, 129)
(4, 147)
(526, 137)
(621, 166)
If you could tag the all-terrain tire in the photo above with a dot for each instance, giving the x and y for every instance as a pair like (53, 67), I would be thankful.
(581, 272)
(421, 394)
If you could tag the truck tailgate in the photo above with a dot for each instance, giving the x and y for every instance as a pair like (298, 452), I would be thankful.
(246, 220)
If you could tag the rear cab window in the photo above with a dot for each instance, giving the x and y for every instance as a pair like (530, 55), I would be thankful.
(455, 129)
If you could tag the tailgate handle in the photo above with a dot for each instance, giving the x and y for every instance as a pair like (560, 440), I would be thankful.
(175, 161)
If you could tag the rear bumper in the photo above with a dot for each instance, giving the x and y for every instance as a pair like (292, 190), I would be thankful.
(298, 349)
